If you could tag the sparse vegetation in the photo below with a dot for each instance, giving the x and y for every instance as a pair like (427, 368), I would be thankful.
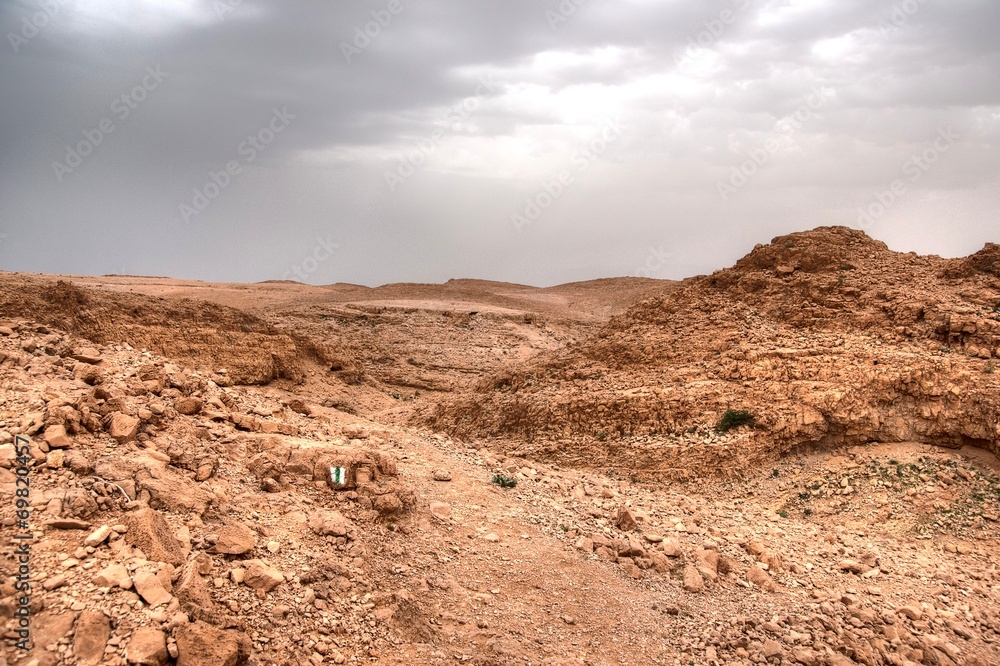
(734, 418)
(504, 481)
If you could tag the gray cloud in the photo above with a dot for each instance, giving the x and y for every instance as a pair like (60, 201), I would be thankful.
(698, 89)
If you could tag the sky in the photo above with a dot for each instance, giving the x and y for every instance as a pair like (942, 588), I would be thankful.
(529, 141)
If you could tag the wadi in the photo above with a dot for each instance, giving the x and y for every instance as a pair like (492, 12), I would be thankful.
(788, 461)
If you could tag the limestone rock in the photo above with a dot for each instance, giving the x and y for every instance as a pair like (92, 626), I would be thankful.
(189, 406)
(122, 427)
(760, 578)
(201, 644)
(693, 581)
(235, 538)
(147, 647)
(329, 523)
(113, 575)
(90, 636)
(149, 587)
(56, 437)
(262, 577)
(149, 531)
(98, 536)
(626, 520)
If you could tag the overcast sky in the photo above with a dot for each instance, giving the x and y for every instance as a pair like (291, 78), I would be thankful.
(531, 141)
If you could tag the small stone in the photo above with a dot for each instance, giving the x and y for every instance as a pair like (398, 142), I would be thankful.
(442, 475)
(189, 406)
(122, 427)
(55, 582)
(262, 577)
(235, 538)
(98, 536)
(55, 436)
(113, 575)
(440, 509)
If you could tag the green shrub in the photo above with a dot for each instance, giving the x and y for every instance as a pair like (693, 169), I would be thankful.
(504, 481)
(734, 418)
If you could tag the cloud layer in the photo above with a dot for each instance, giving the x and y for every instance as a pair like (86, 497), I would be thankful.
(535, 142)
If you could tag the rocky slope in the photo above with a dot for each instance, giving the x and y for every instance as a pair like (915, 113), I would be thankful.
(183, 515)
(827, 338)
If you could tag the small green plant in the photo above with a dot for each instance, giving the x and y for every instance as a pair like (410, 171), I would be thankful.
(776, 473)
(734, 418)
(783, 513)
(504, 481)
(601, 436)
(807, 511)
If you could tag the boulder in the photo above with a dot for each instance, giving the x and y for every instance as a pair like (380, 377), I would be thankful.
(626, 520)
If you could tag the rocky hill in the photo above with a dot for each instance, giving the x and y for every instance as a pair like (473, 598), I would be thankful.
(242, 474)
(827, 338)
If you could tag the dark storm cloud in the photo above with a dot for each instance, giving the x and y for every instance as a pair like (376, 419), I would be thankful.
(480, 105)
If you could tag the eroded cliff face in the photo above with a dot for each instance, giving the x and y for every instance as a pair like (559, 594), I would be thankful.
(827, 337)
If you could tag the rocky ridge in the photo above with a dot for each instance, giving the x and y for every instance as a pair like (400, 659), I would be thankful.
(826, 337)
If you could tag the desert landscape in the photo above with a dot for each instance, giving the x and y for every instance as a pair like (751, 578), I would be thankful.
(788, 461)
